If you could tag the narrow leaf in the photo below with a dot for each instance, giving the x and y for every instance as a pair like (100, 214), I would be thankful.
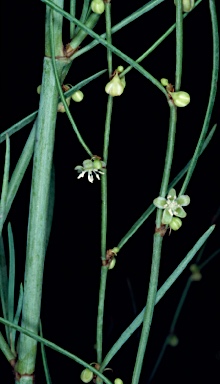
(5, 183)
(11, 281)
(44, 358)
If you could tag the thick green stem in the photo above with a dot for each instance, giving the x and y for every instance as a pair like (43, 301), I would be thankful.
(37, 225)
(57, 26)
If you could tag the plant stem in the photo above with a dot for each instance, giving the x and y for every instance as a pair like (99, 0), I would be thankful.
(57, 29)
(104, 269)
(160, 293)
(37, 223)
(212, 96)
(72, 13)
(157, 246)
(55, 347)
(179, 44)
(5, 349)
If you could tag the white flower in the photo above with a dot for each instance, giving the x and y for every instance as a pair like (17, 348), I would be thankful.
(90, 166)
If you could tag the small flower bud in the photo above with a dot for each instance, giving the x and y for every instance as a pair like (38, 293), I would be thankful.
(77, 96)
(196, 274)
(181, 99)
(115, 250)
(175, 223)
(61, 107)
(86, 375)
(187, 5)
(112, 263)
(120, 69)
(98, 6)
(115, 87)
(38, 89)
(118, 381)
(164, 82)
(97, 164)
(173, 340)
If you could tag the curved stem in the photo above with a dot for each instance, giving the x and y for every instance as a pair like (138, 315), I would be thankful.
(212, 96)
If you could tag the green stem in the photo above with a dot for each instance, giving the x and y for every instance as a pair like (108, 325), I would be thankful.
(72, 13)
(179, 44)
(57, 29)
(62, 95)
(152, 207)
(5, 349)
(157, 246)
(125, 22)
(55, 347)
(212, 96)
(160, 293)
(110, 46)
(99, 330)
(4, 194)
(148, 314)
(83, 32)
(37, 224)
(108, 35)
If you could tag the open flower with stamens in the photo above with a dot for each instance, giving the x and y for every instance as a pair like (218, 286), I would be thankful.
(172, 205)
(91, 166)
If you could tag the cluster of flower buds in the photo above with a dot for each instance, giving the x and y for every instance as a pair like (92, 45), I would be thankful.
(98, 6)
(180, 99)
(76, 96)
(116, 85)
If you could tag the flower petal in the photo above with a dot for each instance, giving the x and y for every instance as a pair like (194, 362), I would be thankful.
(180, 212)
(79, 168)
(171, 194)
(90, 176)
(81, 175)
(87, 164)
(183, 200)
(160, 202)
(167, 217)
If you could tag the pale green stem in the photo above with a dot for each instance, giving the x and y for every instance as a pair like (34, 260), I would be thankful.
(5, 349)
(57, 27)
(37, 225)
(157, 246)
(55, 347)
(212, 96)
(72, 13)
(179, 44)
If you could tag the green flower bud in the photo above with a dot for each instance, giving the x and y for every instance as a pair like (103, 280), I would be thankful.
(98, 6)
(112, 263)
(120, 69)
(77, 96)
(115, 87)
(118, 381)
(196, 274)
(181, 99)
(61, 107)
(173, 340)
(97, 164)
(38, 89)
(86, 375)
(115, 250)
(164, 82)
(187, 5)
(175, 223)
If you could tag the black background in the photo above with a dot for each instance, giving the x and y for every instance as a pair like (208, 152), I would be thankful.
(136, 158)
